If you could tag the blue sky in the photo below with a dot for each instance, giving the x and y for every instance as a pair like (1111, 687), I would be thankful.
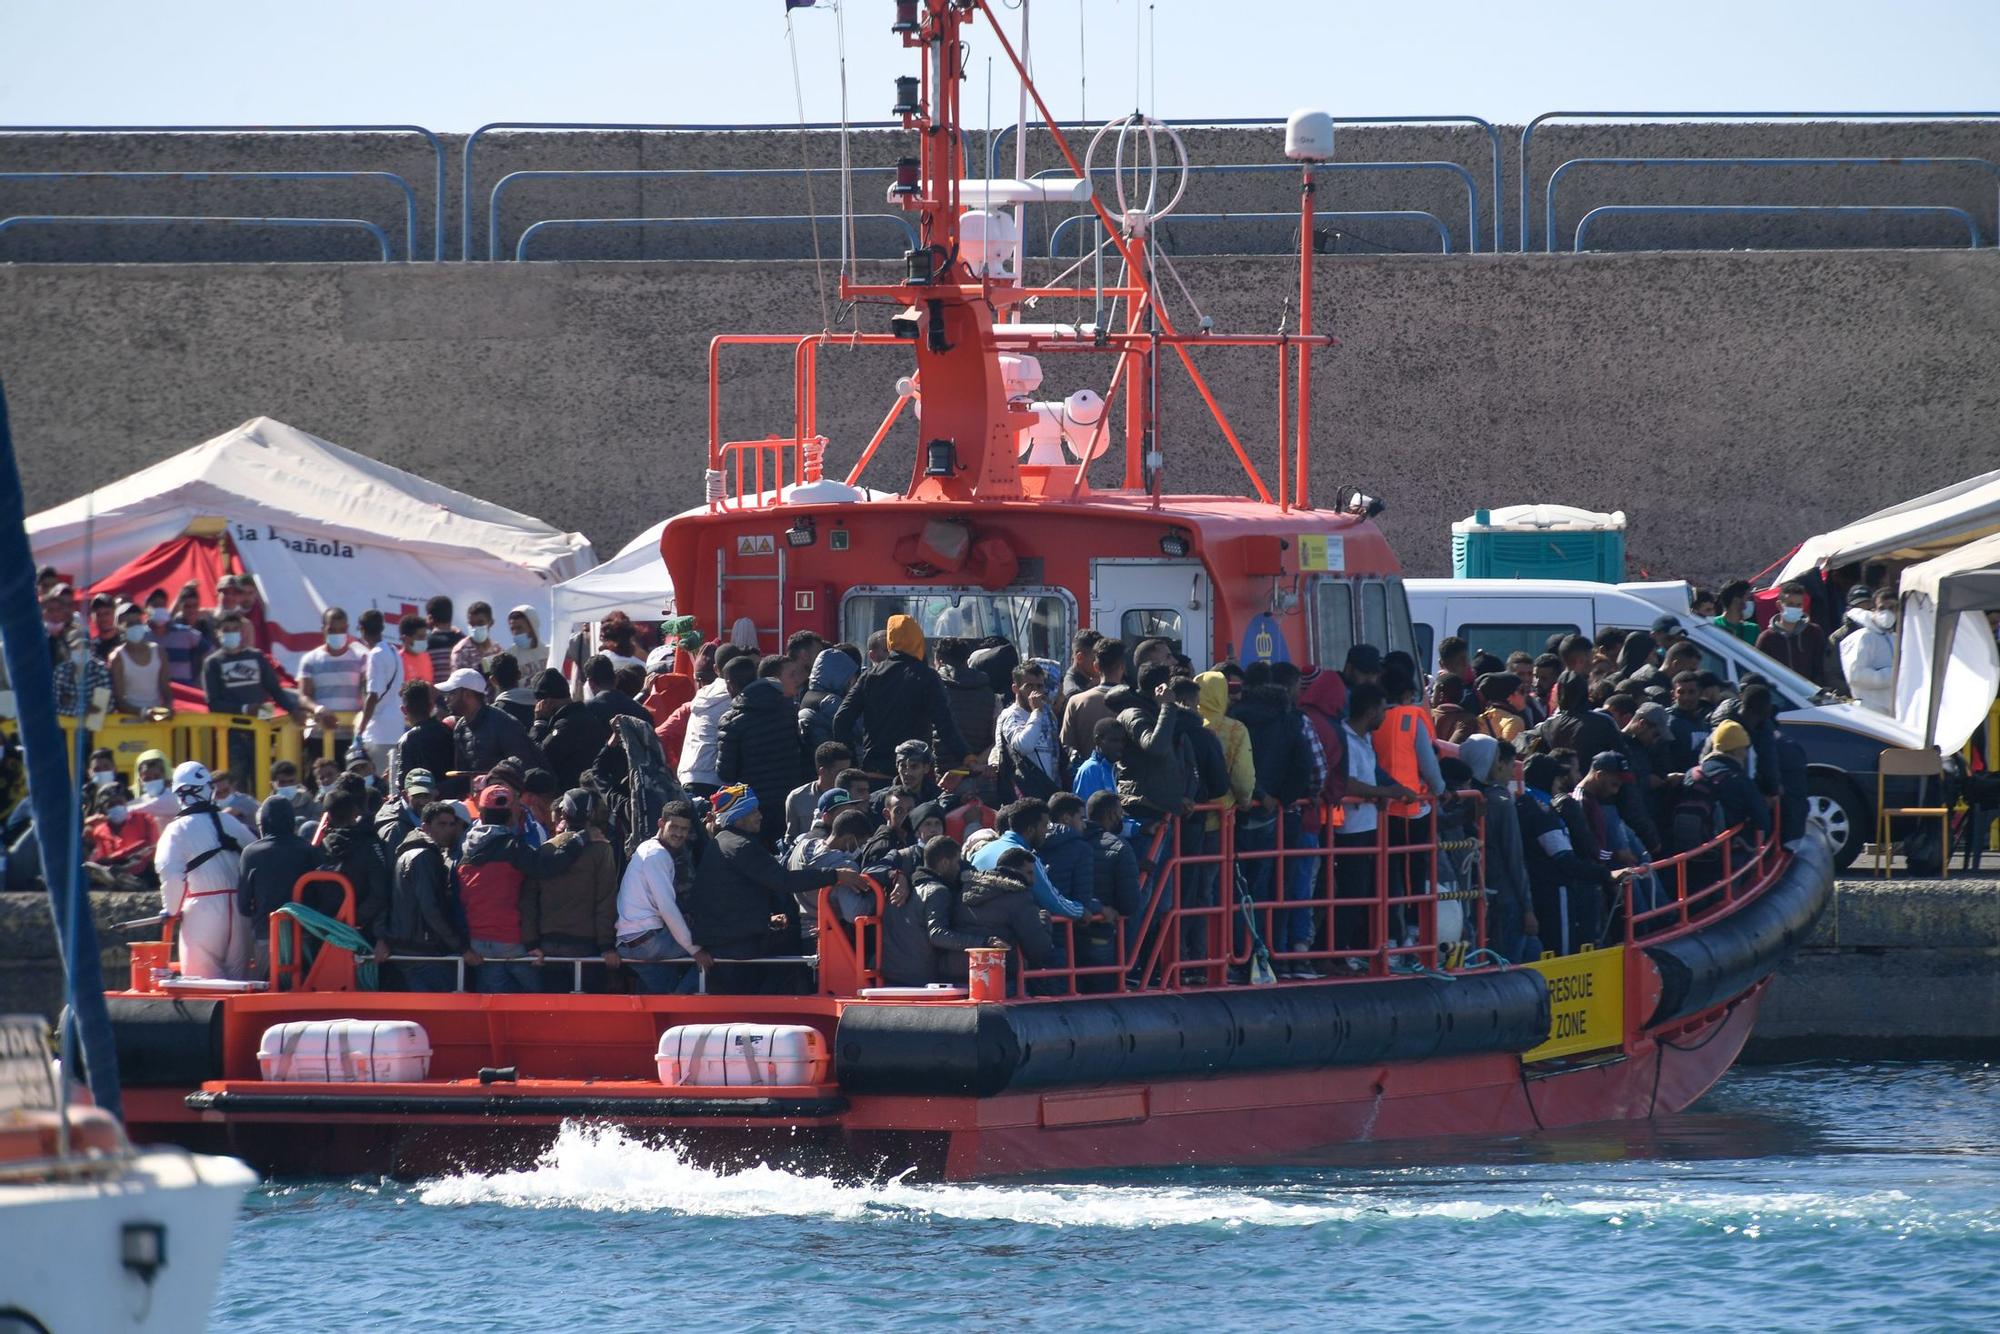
(453, 66)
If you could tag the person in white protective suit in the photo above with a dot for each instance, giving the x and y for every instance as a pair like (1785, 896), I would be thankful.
(197, 861)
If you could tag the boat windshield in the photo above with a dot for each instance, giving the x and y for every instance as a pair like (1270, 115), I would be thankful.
(1035, 621)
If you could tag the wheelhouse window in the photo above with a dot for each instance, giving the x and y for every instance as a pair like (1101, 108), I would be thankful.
(1035, 621)
(1333, 622)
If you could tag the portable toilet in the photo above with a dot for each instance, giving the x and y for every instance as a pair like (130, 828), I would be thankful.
(1539, 542)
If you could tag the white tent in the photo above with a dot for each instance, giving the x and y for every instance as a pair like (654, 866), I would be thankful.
(1944, 622)
(1914, 530)
(317, 526)
(634, 581)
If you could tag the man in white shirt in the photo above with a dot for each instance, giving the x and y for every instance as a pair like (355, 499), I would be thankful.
(379, 726)
(651, 927)
(1028, 728)
(330, 683)
(699, 771)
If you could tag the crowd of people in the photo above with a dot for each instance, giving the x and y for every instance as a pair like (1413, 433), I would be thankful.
(672, 812)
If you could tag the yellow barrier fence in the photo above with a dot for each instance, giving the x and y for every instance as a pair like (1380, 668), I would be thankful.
(212, 738)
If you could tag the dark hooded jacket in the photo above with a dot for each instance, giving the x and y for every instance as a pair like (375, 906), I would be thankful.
(272, 865)
(899, 699)
(832, 672)
(1154, 771)
(995, 905)
(919, 943)
(759, 744)
(571, 741)
(1071, 862)
(354, 852)
(738, 887)
(1323, 702)
(1117, 871)
(1277, 747)
(424, 914)
(1575, 725)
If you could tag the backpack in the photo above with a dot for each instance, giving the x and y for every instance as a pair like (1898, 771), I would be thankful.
(1694, 816)
(1207, 766)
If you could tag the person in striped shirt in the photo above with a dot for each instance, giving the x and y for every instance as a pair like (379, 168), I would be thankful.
(331, 682)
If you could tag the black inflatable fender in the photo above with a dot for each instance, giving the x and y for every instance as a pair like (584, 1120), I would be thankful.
(982, 1050)
(1728, 957)
(166, 1042)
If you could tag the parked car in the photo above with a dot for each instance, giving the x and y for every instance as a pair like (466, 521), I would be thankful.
(1842, 740)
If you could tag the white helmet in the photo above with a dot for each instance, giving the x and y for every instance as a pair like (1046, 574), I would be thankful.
(192, 783)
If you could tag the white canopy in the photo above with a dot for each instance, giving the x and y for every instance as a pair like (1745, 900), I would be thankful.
(1944, 604)
(317, 526)
(1913, 530)
(634, 581)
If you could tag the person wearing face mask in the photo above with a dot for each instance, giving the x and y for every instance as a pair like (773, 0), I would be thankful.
(478, 645)
(102, 768)
(118, 841)
(331, 682)
(239, 679)
(139, 678)
(524, 641)
(1792, 638)
(1868, 654)
(1735, 616)
(153, 798)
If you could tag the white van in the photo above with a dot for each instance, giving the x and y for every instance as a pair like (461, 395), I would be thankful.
(1842, 740)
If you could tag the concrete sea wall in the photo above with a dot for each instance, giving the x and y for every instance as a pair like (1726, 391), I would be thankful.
(1731, 403)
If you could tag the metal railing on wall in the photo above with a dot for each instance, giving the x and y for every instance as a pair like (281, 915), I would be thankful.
(21, 220)
(1556, 176)
(493, 199)
(1523, 167)
(999, 137)
(547, 225)
(1167, 224)
(559, 126)
(430, 138)
(409, 195)
(1776, 210)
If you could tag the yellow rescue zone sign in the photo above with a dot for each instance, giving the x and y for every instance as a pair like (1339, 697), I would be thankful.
(1586, 1002)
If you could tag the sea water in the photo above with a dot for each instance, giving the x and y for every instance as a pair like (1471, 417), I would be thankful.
(1796, 1197)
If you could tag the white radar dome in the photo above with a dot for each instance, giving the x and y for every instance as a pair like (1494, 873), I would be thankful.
(1309, 136)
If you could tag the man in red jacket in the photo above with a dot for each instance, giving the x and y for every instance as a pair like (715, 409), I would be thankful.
(492, 866)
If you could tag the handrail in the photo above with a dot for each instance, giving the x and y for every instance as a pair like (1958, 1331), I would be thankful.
(1293, 168)
(1779, 210)
(1239, 122)
(472, 141)
(429, 137)
(581, 961)
(1167, 224)
(409, 195)
(154, 220)
(1549, 190)
(1528, 131)
(1765, 853)
(771, 219)
(661, 173)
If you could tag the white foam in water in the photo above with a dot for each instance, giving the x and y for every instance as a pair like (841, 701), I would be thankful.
(600, 1168)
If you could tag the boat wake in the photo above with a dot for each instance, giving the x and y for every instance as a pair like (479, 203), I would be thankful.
(601, 1169)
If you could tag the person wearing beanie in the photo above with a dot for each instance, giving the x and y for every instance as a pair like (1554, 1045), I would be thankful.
(569, 733)
(744, 903)
(1715, 795)
(900, 699)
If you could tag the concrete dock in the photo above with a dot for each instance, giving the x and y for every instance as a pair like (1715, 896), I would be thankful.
(1896, 970)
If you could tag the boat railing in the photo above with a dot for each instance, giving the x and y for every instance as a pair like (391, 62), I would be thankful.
(578, 962)
(1216, 909)
(1681, 891)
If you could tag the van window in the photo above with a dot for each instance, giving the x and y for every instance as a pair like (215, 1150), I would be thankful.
(1333, 622)
(1424, 646)
(1502, 640)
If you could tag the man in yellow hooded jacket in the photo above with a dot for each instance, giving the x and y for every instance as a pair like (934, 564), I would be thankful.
(900, 699)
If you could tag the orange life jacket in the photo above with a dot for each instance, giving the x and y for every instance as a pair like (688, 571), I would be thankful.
(1396, 743)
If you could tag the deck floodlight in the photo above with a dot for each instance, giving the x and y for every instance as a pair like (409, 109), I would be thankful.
(1175, 544)
(802, 533)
